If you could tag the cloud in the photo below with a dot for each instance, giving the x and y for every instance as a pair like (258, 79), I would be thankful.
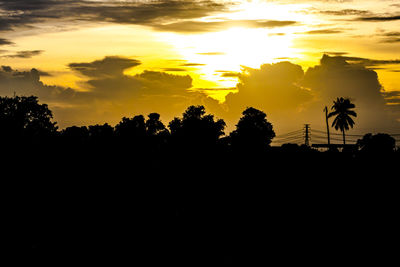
(109, 66)
(392, 97)
(192, 64)
(6, 68)
(336, 77)
(390, 37)
(379, 18)
(336, 53)
(151, 13)
(323, 31)
(273, 88)
(25, 54)
(110, 93)
(345, 12)
(174, 69)
(230, 74)
(204, 26)
(367, 61)
(5, 42)
(292, 97)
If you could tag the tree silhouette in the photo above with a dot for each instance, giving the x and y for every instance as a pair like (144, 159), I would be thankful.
(130, 129)
(74, 135)
(24, 117)
(153, 124)
(253, 130)
(342, 110)
(377, 144)
(196, 128)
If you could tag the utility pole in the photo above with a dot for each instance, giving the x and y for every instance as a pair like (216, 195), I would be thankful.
(327, 124)
(307, 135)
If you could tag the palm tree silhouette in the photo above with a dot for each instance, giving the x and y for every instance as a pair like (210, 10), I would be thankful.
(342, 110)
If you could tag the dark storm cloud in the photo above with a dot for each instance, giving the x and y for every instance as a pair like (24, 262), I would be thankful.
(25, 54)
(5, 42)
(26, 5)
(150, 13)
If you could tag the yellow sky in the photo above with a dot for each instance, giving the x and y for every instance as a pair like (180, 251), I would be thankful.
(213, 47)
(232, 47)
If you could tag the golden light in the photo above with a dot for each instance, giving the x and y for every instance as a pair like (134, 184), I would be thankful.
(227, 50)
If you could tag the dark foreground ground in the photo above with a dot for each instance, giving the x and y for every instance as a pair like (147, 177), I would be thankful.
(201, 209)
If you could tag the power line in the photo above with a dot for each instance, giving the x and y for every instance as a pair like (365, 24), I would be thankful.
(289, 134)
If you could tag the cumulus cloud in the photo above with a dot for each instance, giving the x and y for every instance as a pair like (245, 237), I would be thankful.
(273, 88)
(336, 77)
(289, 95)
(111, 94)
(292, 97)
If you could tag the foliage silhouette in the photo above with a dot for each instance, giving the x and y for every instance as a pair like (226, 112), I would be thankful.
(196, 129)
(24, 118)
(342, 110)
(253, 131)
(75, 136)
(378, 144)
(131, 129)
(154, 126)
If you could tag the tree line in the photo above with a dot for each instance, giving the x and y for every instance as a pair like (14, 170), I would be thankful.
(24, 120)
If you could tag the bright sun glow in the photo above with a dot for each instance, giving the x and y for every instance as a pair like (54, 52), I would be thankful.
(220, 54)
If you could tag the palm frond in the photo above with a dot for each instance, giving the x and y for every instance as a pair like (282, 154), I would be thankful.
(352, 113)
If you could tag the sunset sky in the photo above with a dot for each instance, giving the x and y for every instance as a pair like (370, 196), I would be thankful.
(96, 61)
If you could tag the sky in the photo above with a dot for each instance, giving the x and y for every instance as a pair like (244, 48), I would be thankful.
(96, 61)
